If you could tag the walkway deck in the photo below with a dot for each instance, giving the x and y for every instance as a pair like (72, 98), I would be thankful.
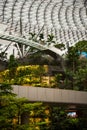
(51, 95)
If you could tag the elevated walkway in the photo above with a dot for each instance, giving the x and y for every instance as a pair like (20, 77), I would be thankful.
(51, 95)
(31, 43)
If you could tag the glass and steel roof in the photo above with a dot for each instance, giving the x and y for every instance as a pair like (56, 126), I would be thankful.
(65, 19)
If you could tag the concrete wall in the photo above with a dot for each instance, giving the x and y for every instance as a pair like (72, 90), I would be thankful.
(51, 95)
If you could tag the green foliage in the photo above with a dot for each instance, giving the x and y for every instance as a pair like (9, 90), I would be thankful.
(72, 58)
(13, 108)
(19, 109)
(5, 88)
(31, 75)
(60, 120)
(81, 46)
(41, 36)
(60, 46)
(12, 65)
(32, 36)
(75, 74)
(50, 39)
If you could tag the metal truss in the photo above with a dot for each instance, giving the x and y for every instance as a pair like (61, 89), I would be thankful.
(65, 19)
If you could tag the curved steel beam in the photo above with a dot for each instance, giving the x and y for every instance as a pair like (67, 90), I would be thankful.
(31, 43)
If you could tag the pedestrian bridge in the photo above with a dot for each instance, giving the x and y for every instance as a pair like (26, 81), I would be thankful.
(51, 95)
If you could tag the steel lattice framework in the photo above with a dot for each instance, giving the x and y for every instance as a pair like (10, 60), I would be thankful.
(65, 19)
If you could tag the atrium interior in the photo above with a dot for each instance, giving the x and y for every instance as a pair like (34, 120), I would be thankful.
(50, 33)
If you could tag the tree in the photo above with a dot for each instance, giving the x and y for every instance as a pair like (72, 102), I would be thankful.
(16, 113)
(12, 66)
(75, 73)
(76, 66)
(7, 111)
(50, 39)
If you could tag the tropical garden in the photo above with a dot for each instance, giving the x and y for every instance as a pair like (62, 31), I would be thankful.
(18, 114)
